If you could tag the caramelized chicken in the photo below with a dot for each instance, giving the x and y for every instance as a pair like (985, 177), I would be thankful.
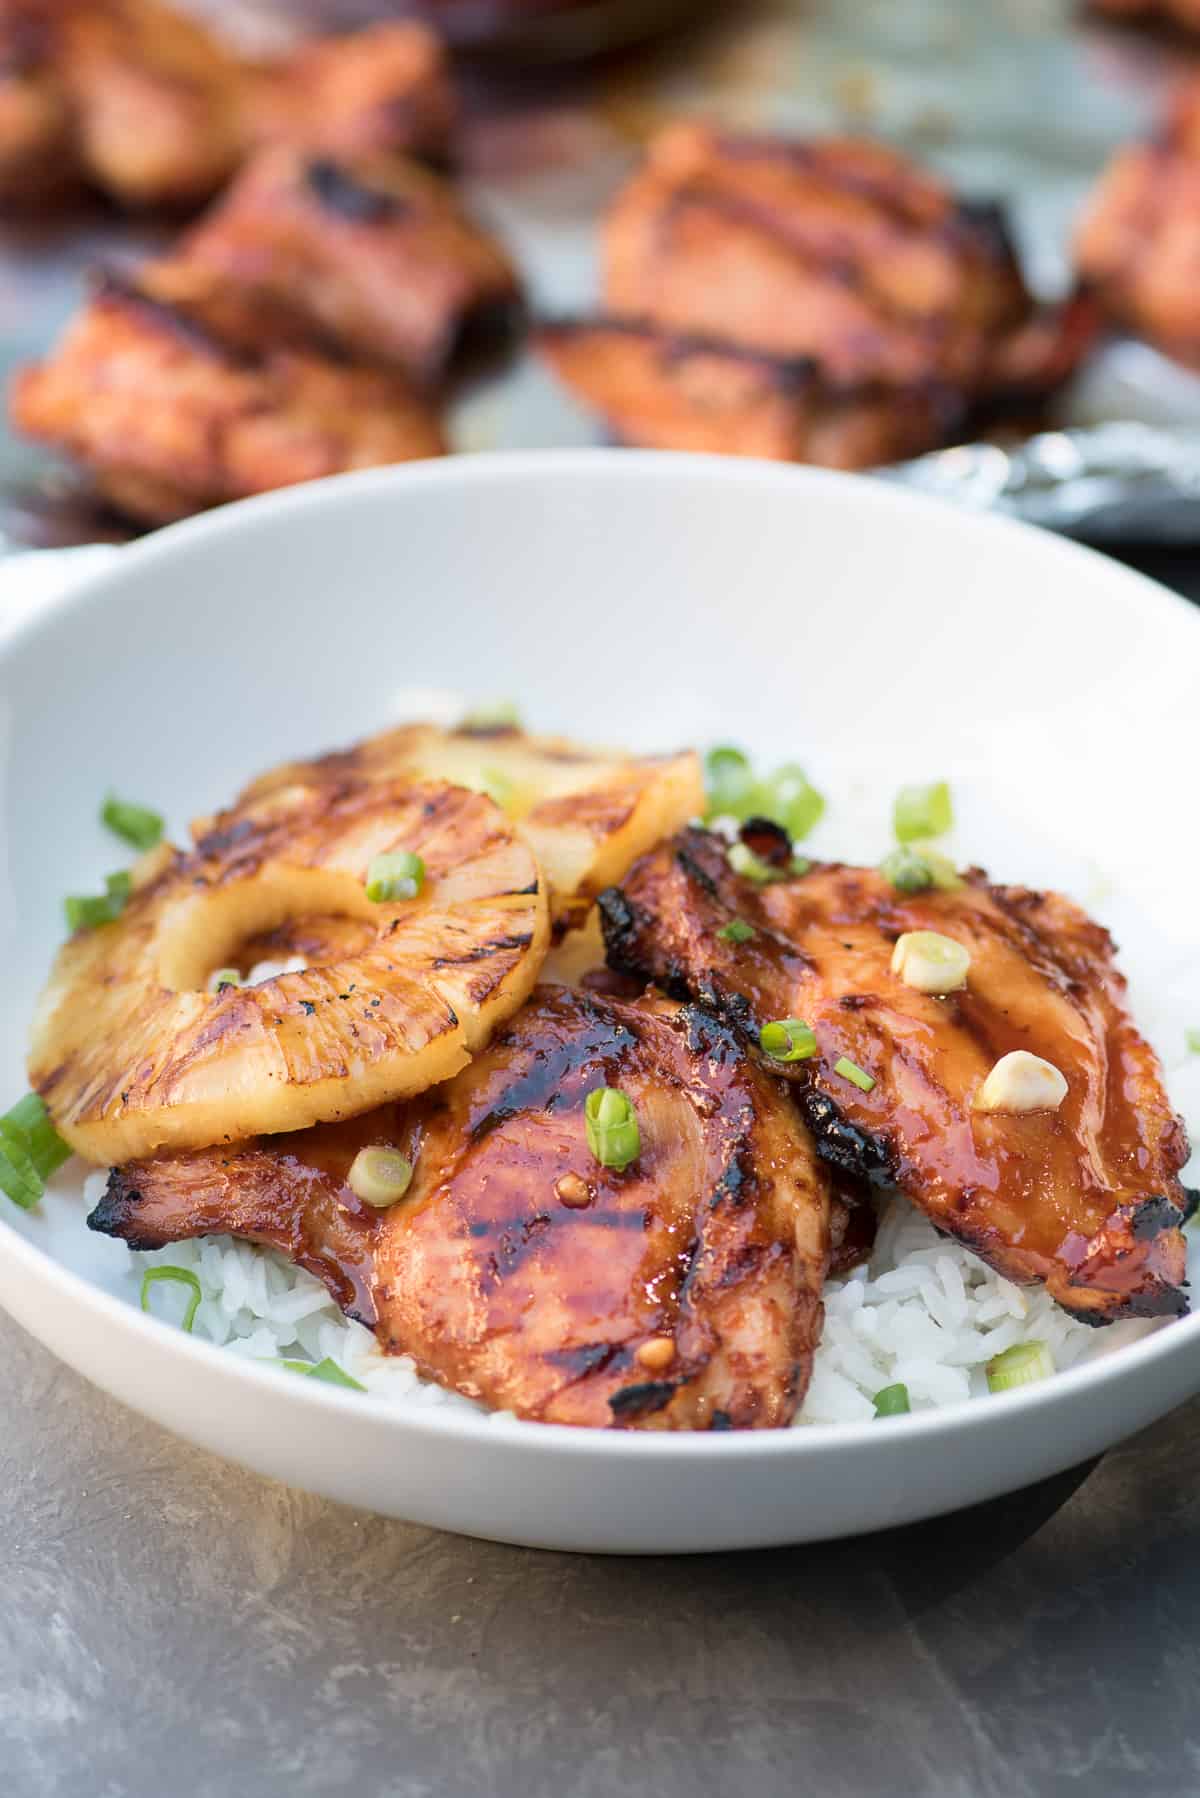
(661, 390)
(680, 1293)
(379, 253)
(1085, 1198)
(1136, 244)
(841, 250)
(169, 412)
(145, 103)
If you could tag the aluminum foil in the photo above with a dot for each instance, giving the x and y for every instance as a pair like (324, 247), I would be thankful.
(1021, 100)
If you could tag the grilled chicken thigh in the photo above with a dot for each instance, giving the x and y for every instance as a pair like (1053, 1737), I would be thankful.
(162, 403)
(1136, 244)
(378, 252)
(148, 105)
(680, 1293)
(1085, 1197)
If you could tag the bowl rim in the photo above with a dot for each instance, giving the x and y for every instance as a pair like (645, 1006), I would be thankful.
(1178, 1336)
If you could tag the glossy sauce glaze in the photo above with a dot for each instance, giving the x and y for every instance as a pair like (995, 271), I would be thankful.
(1086, 1198)
(681, 1292)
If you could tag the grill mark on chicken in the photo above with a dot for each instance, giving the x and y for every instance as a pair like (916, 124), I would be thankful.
(1087, 1199)
(716, 1238)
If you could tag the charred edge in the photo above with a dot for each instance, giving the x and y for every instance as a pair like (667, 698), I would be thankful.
(220, 842)
(116, 1215)
(731, 1185)
(1191, 1200)
(641, 1400)
(486, 332)
(843, 1145)
(708, 1033)
(485, 951)
(790, 376)
(338, 191)
(766, 839)
(695, 872)
(1152, 1216)
(620, 922)
(1157, 1300)
(721, 1420)
(109, 288)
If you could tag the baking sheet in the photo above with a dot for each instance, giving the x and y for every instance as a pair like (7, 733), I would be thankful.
(1023, 100)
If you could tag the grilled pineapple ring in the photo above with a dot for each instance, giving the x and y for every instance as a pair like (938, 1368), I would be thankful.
(132, 1054)
(589, 814)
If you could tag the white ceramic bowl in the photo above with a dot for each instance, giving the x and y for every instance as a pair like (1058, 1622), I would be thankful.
(648, 600)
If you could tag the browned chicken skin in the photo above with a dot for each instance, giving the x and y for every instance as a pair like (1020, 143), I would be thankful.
(839, 249)
(681, 1293)
(1086, 1198)
(146, 104)
(169, 410)
(379, 253)
(665, 391)
(1137, 246)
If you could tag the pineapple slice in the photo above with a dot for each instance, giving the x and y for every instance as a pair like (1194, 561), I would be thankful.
(588, 814)
(132, 1053)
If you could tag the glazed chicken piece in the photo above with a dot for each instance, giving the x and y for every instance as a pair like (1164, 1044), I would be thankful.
(1136, 245)
(842, 250)
(167, 411)
(661, 390)
(149, 106)
(1085, 1197)
(680, 1293)
(379, 252)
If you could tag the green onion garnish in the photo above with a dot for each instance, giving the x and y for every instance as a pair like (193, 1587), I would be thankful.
(800, 864)
(85, 911)
(892, 1401)
(913, 869)
(612, 1127)
(379, 1176)
(395, 876)
(499, 787)
(30, 1151)
(736, 931)
(326, 1370)
(136, 824)
(787, 1039)
(1192, 1039)
(497, 715)
(790, 799)
(225, 977)
(1022, 1365)
(922, 812)
(850, 1070)
(180, 1276)
(729, 780)
(743, 861)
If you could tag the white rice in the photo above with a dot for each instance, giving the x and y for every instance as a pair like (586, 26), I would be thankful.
(925, 1312)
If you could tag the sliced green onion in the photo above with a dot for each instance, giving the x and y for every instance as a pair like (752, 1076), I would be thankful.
(500, 788)
(787, 1039)
(379, 1176)
(327, 1370)
(800, 864)
(180, 1276)
(497, 715)
(789, 798)
(225, 977)
(612, 1127)
(914, 869)
(1022, 1365)
(892, 1401)
(743, 861)
(736, 931)
(395, 876)
(850, 1070)
(922, 812)
(729, 782)
(30, 1151)
(84, 911)
(1192, 1039)
(136, 824)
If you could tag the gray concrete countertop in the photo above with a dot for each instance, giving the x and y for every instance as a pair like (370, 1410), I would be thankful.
(169, 1623)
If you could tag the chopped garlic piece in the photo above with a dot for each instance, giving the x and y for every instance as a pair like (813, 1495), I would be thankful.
(1022, 1082)
(929, 962)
